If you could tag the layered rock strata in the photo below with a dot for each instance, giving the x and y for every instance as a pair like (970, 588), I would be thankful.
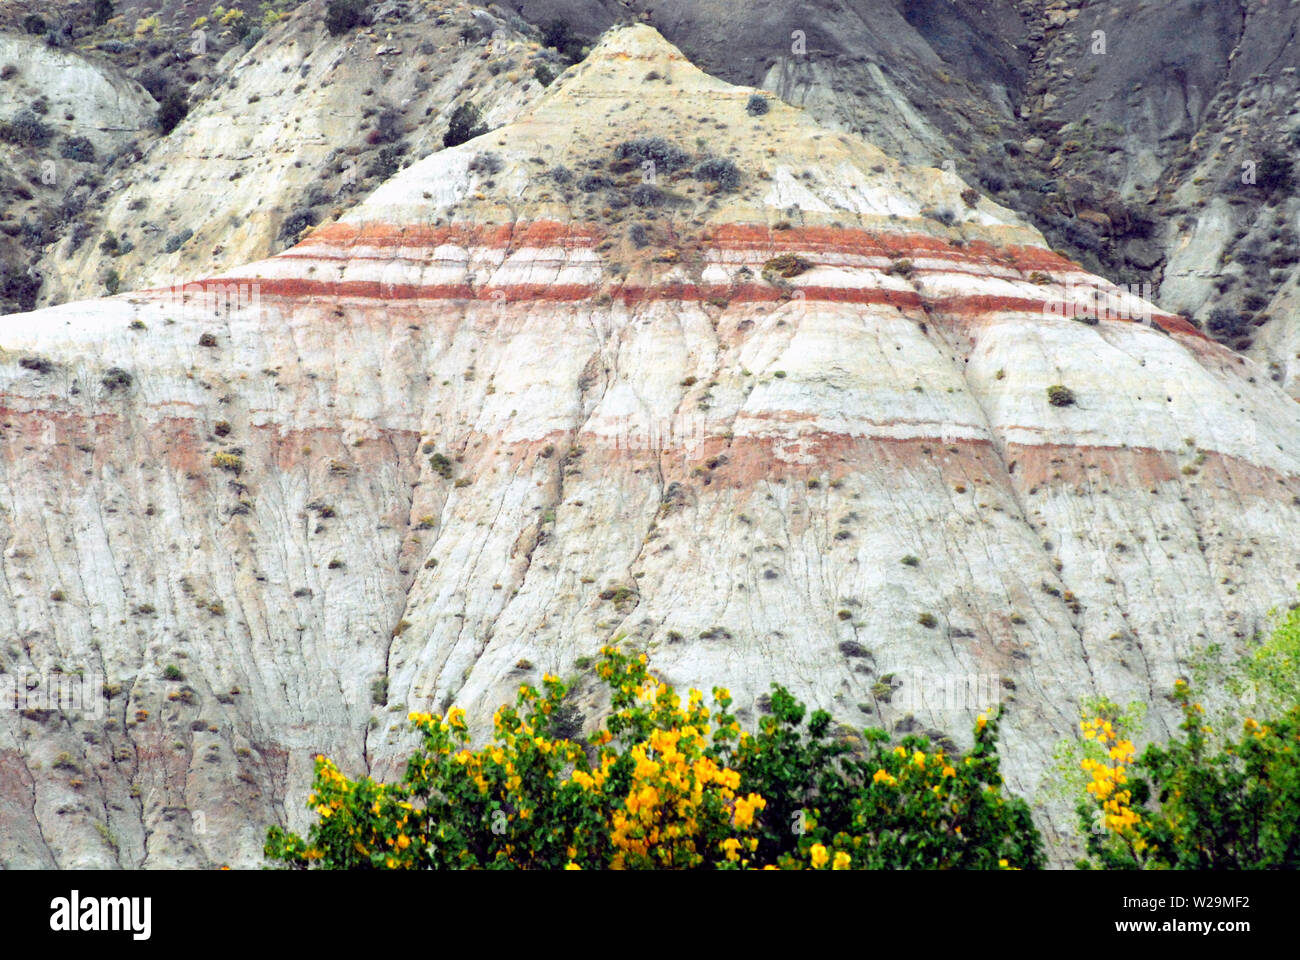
(774, 408)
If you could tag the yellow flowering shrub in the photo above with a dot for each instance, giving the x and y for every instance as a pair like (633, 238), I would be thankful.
(840, 804)
(1200, 802)
(664, 785)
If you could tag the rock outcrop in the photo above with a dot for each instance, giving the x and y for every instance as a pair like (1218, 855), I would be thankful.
(293, 133)
(59, 112)
(661, 358)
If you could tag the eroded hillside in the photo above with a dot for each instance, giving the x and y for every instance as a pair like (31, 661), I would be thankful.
(662, 357)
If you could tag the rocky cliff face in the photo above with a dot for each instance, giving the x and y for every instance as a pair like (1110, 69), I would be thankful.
(74, 110)
(293, 132)
(1118, 129)
(663, 358)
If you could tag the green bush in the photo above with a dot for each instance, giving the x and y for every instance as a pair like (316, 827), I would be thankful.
(787, 265)
(77, 148)
(486, 163)
(172, 111)
(559, 36)
(115, 378)
(1222, 794)
(464, 125)
(343, 15)
(720, 171)
(1192, 805)
(648, 195)
(441, 465)
(1226, 323)
(666, 785)
(295, 223)
(665, 156)
(26, 129)
(1060, 396)
(388, 160)
(388, 127)
(1274, 174)
(177, 240)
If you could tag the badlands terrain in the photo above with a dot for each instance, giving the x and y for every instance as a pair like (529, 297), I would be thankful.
(658, 353)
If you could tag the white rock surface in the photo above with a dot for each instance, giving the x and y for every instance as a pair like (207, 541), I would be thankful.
(748, 456)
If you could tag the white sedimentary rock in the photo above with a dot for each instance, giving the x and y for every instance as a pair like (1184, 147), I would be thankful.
(244, 490)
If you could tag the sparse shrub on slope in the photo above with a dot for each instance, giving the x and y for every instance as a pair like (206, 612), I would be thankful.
(77, 148)
(720, 171)
(666, 785)
(1274, 174)
(1226, 323)
(343, 15)
(559, 36)
(647, 195)
(387, 161)
(388, 127)
(665, 156)
(485, 163)
(177, 240)
(1059, 395)
(464, 125)
(172, 111)
(295, 223)
(26, 129)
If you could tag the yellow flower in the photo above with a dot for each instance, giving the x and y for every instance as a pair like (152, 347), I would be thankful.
(745, 807)
(572, 866)
(842, 861)
(819, 856)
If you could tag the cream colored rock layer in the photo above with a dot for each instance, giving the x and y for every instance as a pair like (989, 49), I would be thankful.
(260, 510)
